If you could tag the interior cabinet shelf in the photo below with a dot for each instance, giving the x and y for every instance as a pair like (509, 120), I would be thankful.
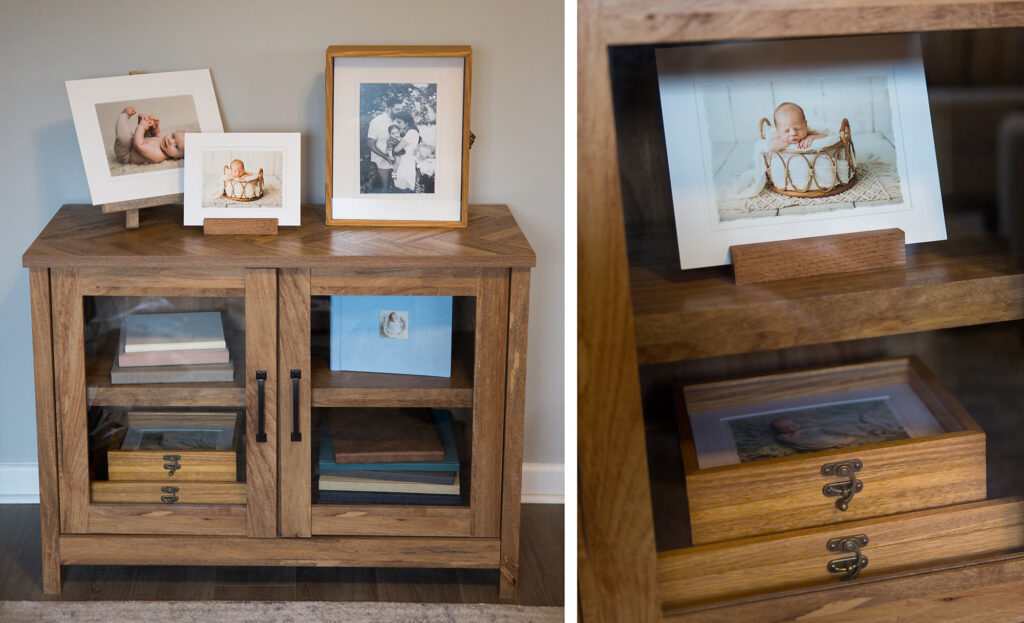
(703, 313)
(364, 389)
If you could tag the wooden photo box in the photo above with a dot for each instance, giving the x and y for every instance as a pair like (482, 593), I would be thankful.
(794, 450)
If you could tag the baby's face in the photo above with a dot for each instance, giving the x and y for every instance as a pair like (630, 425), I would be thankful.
(394, 133)
(393, 317)
(791, 126)
(237, 169)
(785, 426)
(173, 145)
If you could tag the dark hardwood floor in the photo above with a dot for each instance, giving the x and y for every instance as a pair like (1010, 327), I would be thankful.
(541, 578)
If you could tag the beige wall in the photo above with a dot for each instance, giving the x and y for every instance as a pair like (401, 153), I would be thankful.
(267, 61)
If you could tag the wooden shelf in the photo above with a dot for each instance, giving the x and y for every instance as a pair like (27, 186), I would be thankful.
(702, 313)
(371, 389)
(100, 391)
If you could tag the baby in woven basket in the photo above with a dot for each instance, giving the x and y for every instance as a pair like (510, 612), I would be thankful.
(791, 129)
(236, 170)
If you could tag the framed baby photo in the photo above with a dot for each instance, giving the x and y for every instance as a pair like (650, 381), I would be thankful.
(244, 175)
(777, 140)
(132, 130)
(398, 135)
(768, 417)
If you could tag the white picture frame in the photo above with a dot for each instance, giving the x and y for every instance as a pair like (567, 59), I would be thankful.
(754, 75)
(277, 155)
(436, 84)
(185, 100)
(715, 445)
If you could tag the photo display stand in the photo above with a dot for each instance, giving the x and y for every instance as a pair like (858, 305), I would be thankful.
(230, 226)
(131, 208)
(820, 255)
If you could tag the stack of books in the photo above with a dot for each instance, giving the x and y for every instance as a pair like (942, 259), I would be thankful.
(389, 456)
(185, 347)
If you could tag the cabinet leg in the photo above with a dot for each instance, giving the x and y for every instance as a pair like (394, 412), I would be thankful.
(53, 576)
(508, 580)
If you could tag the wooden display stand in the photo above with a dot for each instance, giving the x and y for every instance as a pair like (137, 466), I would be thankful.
(281, 384)
(131, 208)
(229, 226)
(820, 255)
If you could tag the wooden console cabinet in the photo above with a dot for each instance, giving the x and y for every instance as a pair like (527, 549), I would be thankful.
(85, 266)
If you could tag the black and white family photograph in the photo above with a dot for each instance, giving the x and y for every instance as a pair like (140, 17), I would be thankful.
(242, 178)
(144, 135)
(398, 123)
(814, 428)
(800, 146)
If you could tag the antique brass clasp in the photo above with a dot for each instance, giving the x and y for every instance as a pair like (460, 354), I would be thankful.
(843, 490)
(849, 567)
(169, 499)
(172, 465)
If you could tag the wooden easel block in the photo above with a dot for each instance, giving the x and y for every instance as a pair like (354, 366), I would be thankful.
(821, 255)
(229, 226)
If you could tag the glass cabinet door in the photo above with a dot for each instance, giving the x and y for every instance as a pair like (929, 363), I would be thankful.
(166, 399)
(390, 435)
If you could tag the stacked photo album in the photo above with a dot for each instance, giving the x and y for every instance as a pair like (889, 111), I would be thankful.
(183, 347)
(389, 456)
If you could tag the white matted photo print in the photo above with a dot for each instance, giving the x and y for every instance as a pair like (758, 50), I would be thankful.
(131, 130)
(243, 175)
(791, 139)
(750, 432)
(397, 140)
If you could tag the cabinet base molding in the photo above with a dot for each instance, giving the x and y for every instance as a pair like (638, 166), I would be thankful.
(452, 553)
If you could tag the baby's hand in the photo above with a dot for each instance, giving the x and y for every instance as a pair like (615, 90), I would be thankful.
(805, 143)
(128, 110)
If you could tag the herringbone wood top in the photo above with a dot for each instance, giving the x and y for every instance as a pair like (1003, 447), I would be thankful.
(80, 235)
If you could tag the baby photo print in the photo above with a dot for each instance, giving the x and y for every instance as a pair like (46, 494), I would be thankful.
(243, 175)
(132, 130)
(792, 139)
(394, 324)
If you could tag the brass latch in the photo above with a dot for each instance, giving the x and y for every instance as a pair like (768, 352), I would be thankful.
(849, 567)
(169, 499)
(843, 490)
(172, 465)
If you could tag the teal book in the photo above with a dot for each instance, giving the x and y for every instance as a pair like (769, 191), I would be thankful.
(450, 462)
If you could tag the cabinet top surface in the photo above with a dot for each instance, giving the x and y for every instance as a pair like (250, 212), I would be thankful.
(80, 235)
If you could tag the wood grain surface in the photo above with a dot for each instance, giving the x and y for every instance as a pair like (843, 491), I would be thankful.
(197, 281)
(196, 465)
(165, 519)
(395, 282)
(664, 21)
(239, 226)
(489, 401)
(796, 559)
(357, 551)
(618, 568)
(702, 313)
(293, 344)
(820, 255)
(385, 519)
(261, 356)
(515, 407)
(79, 235)
(46, 428)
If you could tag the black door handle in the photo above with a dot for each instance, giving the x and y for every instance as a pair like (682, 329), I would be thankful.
(261, 380)
(296, 375)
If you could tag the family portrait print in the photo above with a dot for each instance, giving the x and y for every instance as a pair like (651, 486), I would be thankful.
(815, 428)
(242, 178)
(398, 130)
(394, 324)
(144, 135)
(799, 147)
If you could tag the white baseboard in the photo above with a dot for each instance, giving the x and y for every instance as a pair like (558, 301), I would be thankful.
(543, 483)
(19, 483)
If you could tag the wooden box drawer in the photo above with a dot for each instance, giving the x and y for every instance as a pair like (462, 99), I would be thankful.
(128, 492)
(165, 465)
(941, 463)
(802, 558)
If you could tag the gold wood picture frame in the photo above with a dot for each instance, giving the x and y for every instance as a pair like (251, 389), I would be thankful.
(398, 135)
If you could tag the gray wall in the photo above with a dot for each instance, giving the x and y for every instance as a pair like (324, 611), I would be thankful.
(268, 73)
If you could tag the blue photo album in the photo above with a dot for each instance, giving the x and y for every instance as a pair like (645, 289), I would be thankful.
(392, 334)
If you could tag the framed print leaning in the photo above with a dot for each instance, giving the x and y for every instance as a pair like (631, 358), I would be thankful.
(398, 135)
(775, 140)
(132, 130)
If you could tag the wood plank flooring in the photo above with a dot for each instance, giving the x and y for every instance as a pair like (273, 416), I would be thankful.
(541, 583)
